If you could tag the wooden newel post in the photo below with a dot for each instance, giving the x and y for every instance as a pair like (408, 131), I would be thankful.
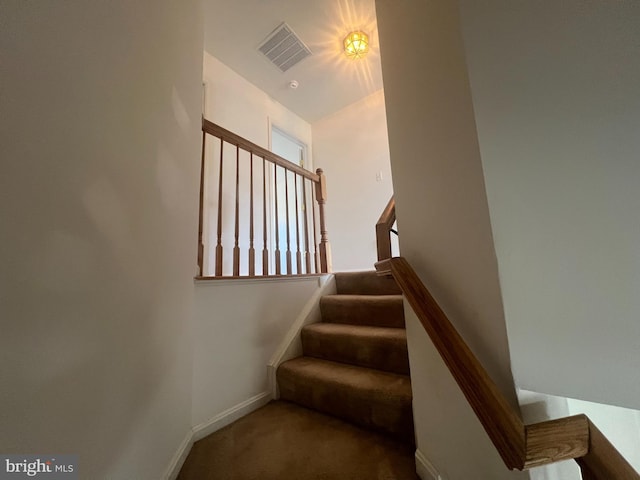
(324, 247)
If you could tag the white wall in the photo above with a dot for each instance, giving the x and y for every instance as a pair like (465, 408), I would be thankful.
(352, 147)
(444, 222)
(100, 124)
(239, 324)
(237, 105)
(555, 87)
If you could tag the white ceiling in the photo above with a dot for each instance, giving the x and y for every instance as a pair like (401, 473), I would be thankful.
(328, 80)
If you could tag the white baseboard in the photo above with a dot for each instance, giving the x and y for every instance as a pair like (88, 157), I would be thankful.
(207, 428)
(425, 469)
(230, 415)
(180, 456)
(289, 348)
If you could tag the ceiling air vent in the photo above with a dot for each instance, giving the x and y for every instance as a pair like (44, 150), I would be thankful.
(283, 48)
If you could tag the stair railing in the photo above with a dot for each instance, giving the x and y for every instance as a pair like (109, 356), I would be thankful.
(520, 446)
(384, 227)
(288, 230)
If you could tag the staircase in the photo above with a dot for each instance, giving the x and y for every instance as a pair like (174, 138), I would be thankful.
(354, 364)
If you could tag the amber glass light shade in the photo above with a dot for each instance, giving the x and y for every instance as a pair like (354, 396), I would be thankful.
(356, 45)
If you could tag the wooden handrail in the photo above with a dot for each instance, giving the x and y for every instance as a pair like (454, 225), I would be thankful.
(383, 230)
(234, 139)
(520, 446)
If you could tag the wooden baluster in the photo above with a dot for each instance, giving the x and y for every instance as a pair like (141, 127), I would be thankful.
(298, 252)
(236, 248)
(265, 251)
(286, 196)
(325, 248)
(219, 244)
(275, 196)
(316, 256)
(307, 255)
(252, 251)
(201, 212)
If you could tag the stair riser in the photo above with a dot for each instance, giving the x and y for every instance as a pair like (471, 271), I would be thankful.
(366, 283)
(376, 311)
(387, 354)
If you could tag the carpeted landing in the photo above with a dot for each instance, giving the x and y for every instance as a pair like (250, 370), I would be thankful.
(283, 441)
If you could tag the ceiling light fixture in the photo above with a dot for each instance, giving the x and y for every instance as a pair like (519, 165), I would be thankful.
(356, 45)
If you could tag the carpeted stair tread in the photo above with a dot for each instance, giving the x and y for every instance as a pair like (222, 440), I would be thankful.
(372, 347)
(373, 310)
(370, 398)
(366, 283)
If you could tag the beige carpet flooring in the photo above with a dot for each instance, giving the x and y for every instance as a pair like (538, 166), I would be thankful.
(283, 441)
